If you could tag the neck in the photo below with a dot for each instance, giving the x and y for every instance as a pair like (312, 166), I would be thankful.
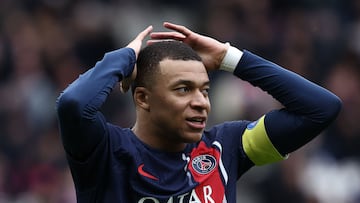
(156, 138)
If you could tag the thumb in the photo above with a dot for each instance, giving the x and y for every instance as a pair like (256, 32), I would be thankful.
(125, 83)
(137, 42)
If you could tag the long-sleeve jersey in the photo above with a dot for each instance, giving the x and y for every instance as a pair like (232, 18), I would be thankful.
(110, 164)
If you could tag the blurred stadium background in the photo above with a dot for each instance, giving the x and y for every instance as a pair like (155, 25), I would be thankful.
(45, 44)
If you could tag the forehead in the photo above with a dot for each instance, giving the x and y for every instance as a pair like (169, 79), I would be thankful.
(180, 69)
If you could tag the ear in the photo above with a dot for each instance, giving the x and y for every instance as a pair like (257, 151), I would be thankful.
(141, 98)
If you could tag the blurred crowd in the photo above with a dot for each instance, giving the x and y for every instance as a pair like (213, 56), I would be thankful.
(44, 45)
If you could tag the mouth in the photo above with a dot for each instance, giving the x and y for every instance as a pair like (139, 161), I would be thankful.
(197, 123)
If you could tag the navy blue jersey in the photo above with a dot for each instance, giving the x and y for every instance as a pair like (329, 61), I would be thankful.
(110, 164)
(126, 170)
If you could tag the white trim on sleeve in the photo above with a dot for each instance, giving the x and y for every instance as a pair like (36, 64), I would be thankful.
(231, 59)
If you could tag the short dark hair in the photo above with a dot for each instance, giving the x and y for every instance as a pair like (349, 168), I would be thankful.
(150, 57)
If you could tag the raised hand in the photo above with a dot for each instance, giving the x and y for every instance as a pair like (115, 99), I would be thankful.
(136, 46)
(137, 42)
(210, 50)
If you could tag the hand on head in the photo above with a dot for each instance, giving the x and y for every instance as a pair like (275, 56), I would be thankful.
(210, 50)
(136, 46)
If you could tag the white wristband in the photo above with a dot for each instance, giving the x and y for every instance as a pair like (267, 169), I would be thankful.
(231, 59)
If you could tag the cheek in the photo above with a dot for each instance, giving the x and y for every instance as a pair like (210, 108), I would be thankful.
(209, 105)
(175, 109)
(169, 116)
(169, 107)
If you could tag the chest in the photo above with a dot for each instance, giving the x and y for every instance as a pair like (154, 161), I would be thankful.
(193, 176)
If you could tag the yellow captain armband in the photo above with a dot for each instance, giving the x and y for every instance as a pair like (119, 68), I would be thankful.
(258, 146)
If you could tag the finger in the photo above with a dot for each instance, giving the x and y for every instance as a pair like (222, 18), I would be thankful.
(125, 84)
(179, 28)
(144, 33)
(124, 87)
(167, 35)
(152, 41)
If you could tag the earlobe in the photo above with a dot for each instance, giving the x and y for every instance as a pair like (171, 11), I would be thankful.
(141, 98)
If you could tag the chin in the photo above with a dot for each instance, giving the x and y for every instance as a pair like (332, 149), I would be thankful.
(193, 138)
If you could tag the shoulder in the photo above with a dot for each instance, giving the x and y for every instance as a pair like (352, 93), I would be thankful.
(257, 144)
(229, 133)
(227, 128)
(120, 137)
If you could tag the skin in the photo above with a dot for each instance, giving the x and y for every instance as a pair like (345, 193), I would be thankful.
(174, 110)
(171, 114)
(210, 50)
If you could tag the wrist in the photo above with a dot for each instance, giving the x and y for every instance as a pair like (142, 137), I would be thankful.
(231, 59)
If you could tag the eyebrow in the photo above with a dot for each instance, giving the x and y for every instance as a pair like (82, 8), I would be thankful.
(189, 83)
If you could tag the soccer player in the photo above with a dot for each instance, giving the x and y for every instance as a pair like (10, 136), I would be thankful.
(168, 156)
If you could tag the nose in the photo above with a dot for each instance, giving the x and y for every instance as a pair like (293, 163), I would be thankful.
(200, 100)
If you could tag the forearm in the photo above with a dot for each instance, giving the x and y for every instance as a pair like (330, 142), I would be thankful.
(309, 108)
(82, 126)
(297, 94)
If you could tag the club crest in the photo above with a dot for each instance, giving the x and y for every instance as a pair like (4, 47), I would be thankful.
(204, 164)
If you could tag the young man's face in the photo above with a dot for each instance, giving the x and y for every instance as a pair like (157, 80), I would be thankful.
(179, 102)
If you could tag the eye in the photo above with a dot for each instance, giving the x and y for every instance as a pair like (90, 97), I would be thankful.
(206, 90)
(183, 89)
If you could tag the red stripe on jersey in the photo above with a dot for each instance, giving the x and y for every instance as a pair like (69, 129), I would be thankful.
(204, 167)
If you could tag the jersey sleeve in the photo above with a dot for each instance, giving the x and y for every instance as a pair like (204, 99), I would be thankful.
(82, 125)
(307, 108)
(257, 144)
